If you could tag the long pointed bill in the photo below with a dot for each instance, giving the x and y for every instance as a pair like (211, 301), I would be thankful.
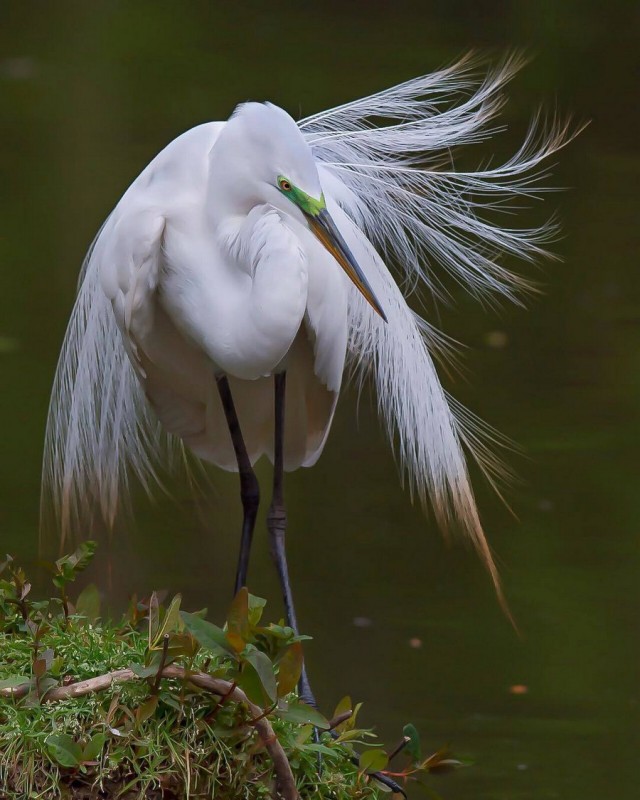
(326, 230)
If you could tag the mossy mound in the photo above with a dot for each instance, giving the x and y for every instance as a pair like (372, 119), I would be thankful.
(164, 704)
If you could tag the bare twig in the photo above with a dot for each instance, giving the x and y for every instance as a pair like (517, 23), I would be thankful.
(399, 747)
(284, 776)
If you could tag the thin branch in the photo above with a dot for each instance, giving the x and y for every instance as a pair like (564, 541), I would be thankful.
(285, 781)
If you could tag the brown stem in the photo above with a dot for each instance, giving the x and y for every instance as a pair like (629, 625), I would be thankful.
(163, 661)
(399, 747)
(285, 781)
(340, 719)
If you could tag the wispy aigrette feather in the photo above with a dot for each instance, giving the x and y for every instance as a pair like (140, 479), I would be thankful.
(387, 160)
(417, 209)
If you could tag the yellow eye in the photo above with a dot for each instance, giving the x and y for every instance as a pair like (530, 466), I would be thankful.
(284, 184)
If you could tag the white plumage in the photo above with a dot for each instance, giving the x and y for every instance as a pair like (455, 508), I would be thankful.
(205, 267)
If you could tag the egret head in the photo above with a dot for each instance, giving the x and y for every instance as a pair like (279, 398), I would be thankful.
(272, 163)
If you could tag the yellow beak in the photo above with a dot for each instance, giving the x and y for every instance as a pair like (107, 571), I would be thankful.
(327, 232)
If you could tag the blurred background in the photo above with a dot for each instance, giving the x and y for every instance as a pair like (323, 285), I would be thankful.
(91, 91)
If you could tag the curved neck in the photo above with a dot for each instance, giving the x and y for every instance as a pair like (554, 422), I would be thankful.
(231, 178)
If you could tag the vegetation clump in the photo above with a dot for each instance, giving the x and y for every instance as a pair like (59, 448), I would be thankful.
(165, 704)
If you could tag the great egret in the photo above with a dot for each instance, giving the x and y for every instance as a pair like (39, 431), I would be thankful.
(251, 259)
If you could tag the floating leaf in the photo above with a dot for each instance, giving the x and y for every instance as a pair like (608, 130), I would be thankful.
(64, 750)
(238, 620)
(372, 760)
(413, 745)
(301, 713)
(290, 669)
(208, 636)
(88, 602)
(262, 664)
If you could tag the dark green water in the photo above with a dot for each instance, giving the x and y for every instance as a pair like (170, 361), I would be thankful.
(91, 91)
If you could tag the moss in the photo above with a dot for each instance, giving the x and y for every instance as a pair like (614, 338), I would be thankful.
(164, 704)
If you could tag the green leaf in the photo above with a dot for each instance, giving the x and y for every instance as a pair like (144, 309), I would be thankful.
(12, 681)
(208, 636)
(154, 617)
(181, 644)
(353, 735)
(168, 699)
(238, 620)
(144, 672)
(289, 669)
(146, 709)
(64, 750)
(413, 745)
(94, 746)
(346, 704)
(68, 567)
(81, 558)
(256, 607)
(249, 681)
(373, 760)
(170, 622)
(302, 714)
(263, 666)
(322, 748)
(88, 602)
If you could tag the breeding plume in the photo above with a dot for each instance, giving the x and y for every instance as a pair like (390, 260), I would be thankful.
(253, 261)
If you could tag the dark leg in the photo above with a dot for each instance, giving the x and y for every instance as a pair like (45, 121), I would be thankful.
(249, 488)
(277, 523)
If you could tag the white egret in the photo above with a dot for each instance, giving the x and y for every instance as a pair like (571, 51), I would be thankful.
(251, 260)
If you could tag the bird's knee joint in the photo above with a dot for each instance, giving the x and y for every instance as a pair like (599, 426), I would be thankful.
(277, 519)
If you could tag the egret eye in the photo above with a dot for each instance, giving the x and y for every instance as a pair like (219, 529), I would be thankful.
(284, 184)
